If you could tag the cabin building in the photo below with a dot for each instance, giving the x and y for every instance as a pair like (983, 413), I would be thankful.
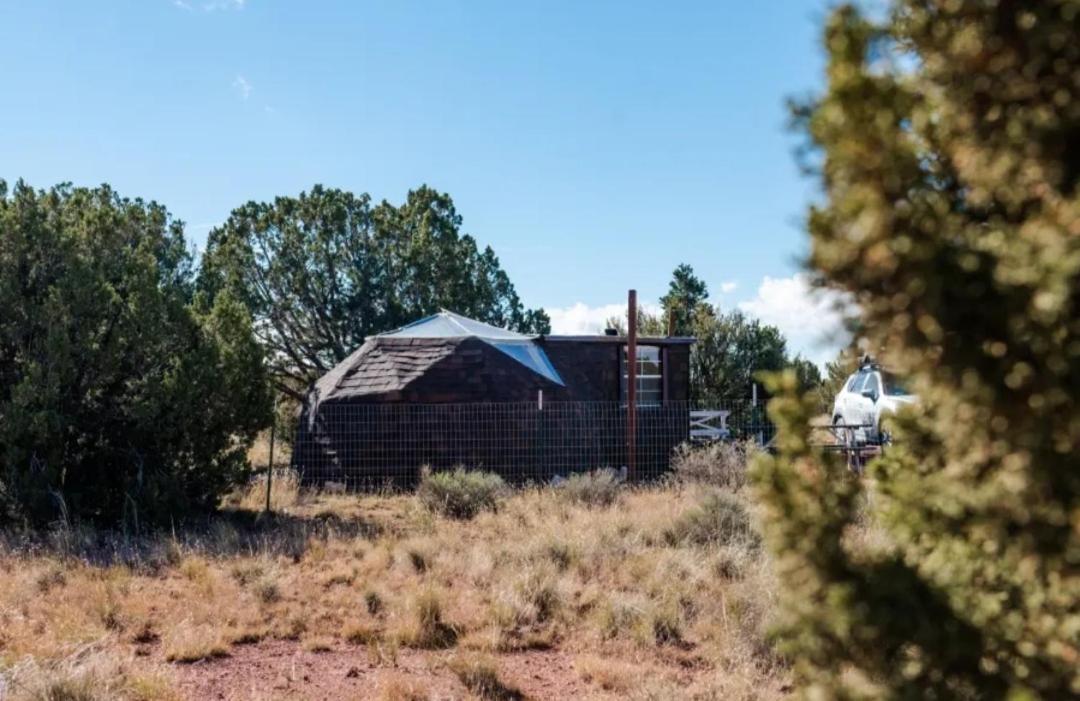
(448, 390)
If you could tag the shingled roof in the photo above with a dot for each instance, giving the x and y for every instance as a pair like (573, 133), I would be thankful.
(390, 362)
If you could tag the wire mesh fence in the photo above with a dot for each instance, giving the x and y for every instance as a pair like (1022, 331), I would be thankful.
(376, 445)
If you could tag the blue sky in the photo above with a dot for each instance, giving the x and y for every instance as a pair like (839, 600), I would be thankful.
(593, 145)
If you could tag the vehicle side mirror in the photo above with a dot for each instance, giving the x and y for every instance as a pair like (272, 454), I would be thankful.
(870, 394)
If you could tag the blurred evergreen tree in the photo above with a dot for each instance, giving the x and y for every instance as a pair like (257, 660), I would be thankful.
(948, 144)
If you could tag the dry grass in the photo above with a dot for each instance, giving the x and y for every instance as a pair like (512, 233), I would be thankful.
(653, 577)
(401, 688)
(480, 675)
(717, 464)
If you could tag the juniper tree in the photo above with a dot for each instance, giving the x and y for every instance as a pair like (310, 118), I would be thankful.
(321, 271)
(123, 394)
(948, 145)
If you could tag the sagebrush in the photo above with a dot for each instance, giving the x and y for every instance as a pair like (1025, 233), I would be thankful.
(461, 493)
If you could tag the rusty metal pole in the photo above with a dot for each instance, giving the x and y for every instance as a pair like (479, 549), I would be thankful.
(671, 322)
(631, 386)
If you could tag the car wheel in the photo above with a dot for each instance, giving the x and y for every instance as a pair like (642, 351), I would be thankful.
(844, 435)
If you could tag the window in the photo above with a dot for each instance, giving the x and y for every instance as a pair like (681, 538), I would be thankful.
(894, 386)
(872, 383)
(650, 376)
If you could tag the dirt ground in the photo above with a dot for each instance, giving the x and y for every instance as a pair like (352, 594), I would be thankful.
(284, 670)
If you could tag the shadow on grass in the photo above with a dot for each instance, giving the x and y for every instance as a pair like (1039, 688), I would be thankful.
(225, 533)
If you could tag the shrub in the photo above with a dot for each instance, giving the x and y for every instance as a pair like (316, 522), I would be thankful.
(373, 602)
(721, 518)
(460, 493)
(266, 589)
(666, 625)
(596, 488)
(481, 677)
(401, 688)
(187, 644)
(429, 631)
(359, 633)
(718, 464)
(947, 144)
(125, 396)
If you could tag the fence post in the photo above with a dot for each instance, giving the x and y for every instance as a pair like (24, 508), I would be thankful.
(755, 416)
(270, 463)
(631, 385)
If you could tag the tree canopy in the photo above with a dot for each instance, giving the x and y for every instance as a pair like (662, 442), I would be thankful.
(948, 145)
(322, 271)
(686, 293)
(731, 352)
(122, 394)
(732, 349)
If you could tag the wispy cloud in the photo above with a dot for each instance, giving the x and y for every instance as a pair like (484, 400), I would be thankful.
(242, 86)
(726, 287)
(811, 320)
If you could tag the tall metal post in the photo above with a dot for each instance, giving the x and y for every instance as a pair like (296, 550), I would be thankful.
(270, 464)
(631, 386)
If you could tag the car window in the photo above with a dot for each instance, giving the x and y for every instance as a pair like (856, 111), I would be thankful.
(857, 382)
(872, 383)
(894, 386)
(850, 385)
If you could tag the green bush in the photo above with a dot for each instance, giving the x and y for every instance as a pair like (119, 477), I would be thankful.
(460, 493)
(948, 145)
(721, 518)
(123, 395)
(596, 488)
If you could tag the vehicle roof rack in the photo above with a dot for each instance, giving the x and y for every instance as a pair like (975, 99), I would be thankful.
(868, 362)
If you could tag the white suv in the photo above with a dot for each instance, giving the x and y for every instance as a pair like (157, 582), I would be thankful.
(866, 396)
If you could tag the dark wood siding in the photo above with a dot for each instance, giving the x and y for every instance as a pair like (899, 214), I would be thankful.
(590, 370)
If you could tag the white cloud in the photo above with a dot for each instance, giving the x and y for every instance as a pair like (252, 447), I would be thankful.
(810, 319)
(580, 319)
(242, 86)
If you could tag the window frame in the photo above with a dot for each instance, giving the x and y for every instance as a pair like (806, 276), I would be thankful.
(659, 378)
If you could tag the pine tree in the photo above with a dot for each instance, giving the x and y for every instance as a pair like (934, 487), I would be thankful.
(686, 294)
(948, 144)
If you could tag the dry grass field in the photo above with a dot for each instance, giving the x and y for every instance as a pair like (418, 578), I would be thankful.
(591, 590)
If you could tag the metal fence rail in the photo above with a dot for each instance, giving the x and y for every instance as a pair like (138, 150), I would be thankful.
(388, 444)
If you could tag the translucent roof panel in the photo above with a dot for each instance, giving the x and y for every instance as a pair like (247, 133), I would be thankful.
(450, 325)
(516, 345)
(531, 356)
